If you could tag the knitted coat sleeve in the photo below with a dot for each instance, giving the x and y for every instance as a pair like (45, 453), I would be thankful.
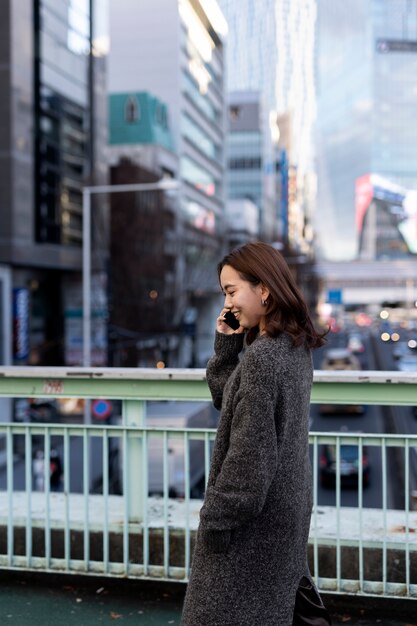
(222, 363)
(241, 487)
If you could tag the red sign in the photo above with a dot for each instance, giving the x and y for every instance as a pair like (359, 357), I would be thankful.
(363, 197)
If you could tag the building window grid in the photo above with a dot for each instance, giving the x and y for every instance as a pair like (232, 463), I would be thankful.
(61, 152)
(203, 104)
(49, 15)
(54, 64)
(200, 178)
(215, 85)
(196, 135)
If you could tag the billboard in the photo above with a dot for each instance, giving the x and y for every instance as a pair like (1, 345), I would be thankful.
(386, 218)
(20, 324)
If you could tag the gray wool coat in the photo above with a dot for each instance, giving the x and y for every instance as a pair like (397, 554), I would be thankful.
(251, 547)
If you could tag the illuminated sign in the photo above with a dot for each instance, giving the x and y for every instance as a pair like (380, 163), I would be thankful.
(386, 218)
(21, 324)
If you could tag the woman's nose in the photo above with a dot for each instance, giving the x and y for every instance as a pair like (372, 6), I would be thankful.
(227, 303)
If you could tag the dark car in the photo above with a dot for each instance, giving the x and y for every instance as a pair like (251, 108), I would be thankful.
(349, 466)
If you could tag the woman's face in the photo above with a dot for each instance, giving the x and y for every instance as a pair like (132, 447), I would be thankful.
(243, 298)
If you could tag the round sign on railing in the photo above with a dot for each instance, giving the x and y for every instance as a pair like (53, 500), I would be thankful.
(101, 409)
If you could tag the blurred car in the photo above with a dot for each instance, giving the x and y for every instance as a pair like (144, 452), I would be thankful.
(348, 467)
(38, 410)
(340, 359)
(355, 344)
(407, 363)
(401, 349)
(172, 415)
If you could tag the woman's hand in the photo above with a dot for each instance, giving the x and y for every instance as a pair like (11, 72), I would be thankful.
(224, 328)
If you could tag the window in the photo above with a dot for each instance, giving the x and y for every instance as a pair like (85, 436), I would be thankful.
(132, 111)
(199, 177)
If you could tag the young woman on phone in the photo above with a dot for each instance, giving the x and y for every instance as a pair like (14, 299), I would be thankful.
(250, 561)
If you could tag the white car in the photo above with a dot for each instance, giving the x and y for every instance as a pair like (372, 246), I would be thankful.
(401, 350)
(355, 344)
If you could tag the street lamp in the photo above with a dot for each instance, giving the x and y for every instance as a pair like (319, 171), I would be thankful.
(134, 414)
(164, 184)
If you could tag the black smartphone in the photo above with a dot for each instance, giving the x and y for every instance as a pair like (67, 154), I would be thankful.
(231, 321)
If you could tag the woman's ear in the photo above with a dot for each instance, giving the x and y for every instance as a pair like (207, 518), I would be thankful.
(264, 292)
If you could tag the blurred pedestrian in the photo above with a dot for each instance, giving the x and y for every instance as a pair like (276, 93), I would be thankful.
(55, 470)
(38, 469)
(250, 561)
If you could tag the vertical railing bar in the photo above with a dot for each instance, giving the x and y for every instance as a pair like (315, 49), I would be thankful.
(145, 529)
(47, 489)
(407, 514)
(126, 503)
(86, 492)
(10, 529)
(315, 505)
(187, 502)
(206, 458)
(338, 486)
(105, 497)
(384, 508)
(67, 471)
(360, 505)
(134, 416)
(28, 482)
(165, 492)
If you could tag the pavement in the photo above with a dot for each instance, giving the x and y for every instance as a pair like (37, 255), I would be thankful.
(51, 600)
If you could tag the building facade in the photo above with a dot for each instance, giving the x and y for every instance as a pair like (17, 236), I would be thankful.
(49, 149)
(179, 59)
(147, 298)
(271, 49)
(367, 63)
(250, 155)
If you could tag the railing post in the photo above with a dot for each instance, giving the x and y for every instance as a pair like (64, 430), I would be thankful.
(134, 414)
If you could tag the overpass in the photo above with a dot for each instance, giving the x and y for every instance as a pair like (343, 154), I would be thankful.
(370, 282)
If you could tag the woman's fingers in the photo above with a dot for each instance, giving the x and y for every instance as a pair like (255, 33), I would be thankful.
(224, 328)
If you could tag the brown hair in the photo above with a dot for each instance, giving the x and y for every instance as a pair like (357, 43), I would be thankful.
(285, 311)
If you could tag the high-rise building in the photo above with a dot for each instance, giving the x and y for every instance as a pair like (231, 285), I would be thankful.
(51, 144)
(271, 49)
(367, 99)
(174, 50)
(251, 174)
(147, 296)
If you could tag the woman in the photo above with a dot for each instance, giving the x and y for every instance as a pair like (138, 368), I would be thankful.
(250, 559)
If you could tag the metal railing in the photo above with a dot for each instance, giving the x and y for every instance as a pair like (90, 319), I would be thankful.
(138, 529)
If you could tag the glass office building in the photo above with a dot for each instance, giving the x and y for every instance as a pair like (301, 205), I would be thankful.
(249, 159)
(271, 49)
(51, 144)
(64, 128)
(367, 99)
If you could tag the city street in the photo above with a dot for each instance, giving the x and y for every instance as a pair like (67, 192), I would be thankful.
(377, 356)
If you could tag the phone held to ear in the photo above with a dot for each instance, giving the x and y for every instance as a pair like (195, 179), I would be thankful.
(231, 321)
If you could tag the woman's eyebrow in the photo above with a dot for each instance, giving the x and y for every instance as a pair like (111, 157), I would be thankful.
(227, 287)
